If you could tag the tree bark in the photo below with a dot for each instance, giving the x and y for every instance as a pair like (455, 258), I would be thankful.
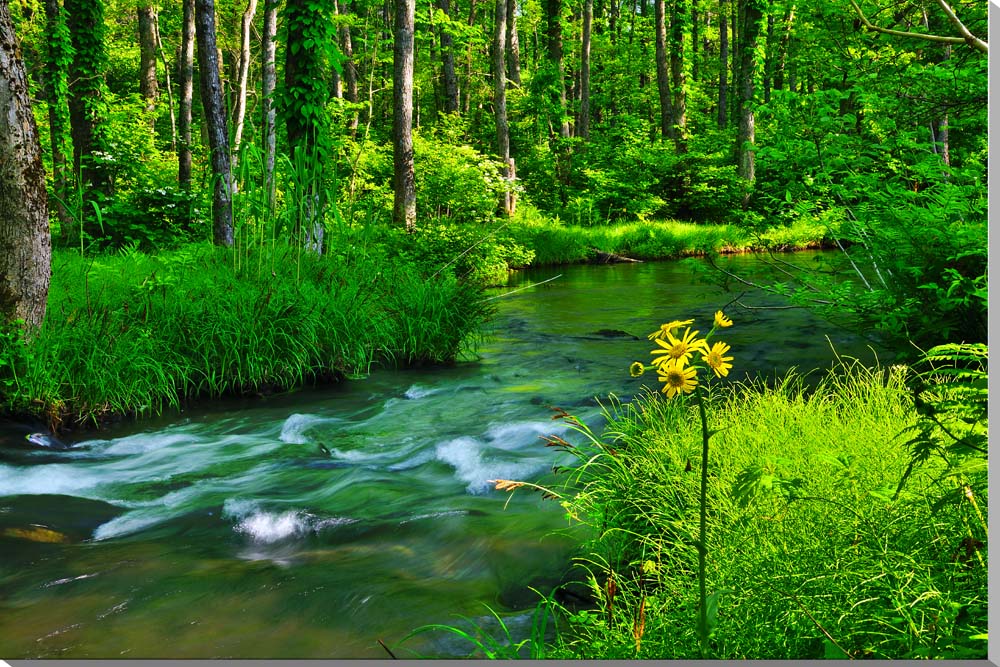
(350, 70)
(723, 64)
(448, 64)
(85, 20)
(662, 71)
(166, 73)
(212, 102)
(25, 243)
(243, 76)
(554, 49)
(679, 105)
(500, 94)
(745, 150)
(56, 86)
(513, 44)
(148, 87)
(186, 83)
(269, 79)
(779, 68)
(583, 130)
(695, 60)
(404, 211)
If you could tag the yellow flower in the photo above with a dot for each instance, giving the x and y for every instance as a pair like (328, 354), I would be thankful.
(636, 369)
(716, 361)
(668, 328)
(678, 349)
(721, 320)
(677, 378)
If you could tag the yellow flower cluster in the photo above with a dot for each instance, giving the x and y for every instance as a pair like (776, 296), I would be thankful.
(672, 358)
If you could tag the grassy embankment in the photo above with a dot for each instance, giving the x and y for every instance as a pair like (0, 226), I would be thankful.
(811, 552)
(132, 334)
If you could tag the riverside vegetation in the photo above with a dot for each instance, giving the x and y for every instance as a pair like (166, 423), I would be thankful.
(199, 254)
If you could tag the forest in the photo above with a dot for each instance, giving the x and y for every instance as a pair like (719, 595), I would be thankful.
(230, 204)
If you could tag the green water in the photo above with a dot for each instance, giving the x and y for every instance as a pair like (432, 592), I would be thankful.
(313, 524)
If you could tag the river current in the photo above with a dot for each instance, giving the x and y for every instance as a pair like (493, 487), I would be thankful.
(314, 523)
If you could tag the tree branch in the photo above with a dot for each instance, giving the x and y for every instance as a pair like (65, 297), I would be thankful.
(967, 37)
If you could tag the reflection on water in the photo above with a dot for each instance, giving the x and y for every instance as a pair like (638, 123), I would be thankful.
(313, 524)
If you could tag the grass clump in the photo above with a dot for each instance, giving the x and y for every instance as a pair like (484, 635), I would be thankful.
(815, 547)
(132, 334)
(557, 243)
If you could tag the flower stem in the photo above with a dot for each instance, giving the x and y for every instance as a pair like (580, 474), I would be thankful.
(702, 544)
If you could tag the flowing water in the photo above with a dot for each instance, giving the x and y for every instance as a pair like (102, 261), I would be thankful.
(313, 524)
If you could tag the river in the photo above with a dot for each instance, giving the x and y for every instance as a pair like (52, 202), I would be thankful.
(313, 524)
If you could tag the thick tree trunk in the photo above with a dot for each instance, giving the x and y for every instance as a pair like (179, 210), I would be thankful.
(513, 44)
(212, 102)
(25, 243)
(85, 20)
(148, 87)
(583, 130)
(269, 79)
(679, 105)
(243, 77)
(723, 64)
(56, 82)
(448, 64)
(662, 71)
(404, 211)
(744, 147)
(187, 97)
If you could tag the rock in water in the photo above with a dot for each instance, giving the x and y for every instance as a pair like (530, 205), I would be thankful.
(45, 440)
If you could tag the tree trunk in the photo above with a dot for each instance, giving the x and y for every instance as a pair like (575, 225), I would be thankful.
(243, 76)
(513, 44)
(269, 79)
(212, 101)
(166, 73)
(723, 63)
(350, 70)
(448, 64)
(56, 83)
(769, 50)
(85, 20)
(554, 48)
(404, 211)
(583, 130)
(147, 57)
(467, 88)
(663, 72)
(745, 150)
(25, 243)
(679, 106)
(500, 94)
(695, 60)
(786, 33)
(187, 97)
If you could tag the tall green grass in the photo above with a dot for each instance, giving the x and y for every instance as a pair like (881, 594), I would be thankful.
(556, 243)
(811, 552)
(133, 334)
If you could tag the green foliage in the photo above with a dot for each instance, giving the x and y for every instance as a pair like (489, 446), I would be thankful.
(478, 253)
(135, 334)
(810, 554)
